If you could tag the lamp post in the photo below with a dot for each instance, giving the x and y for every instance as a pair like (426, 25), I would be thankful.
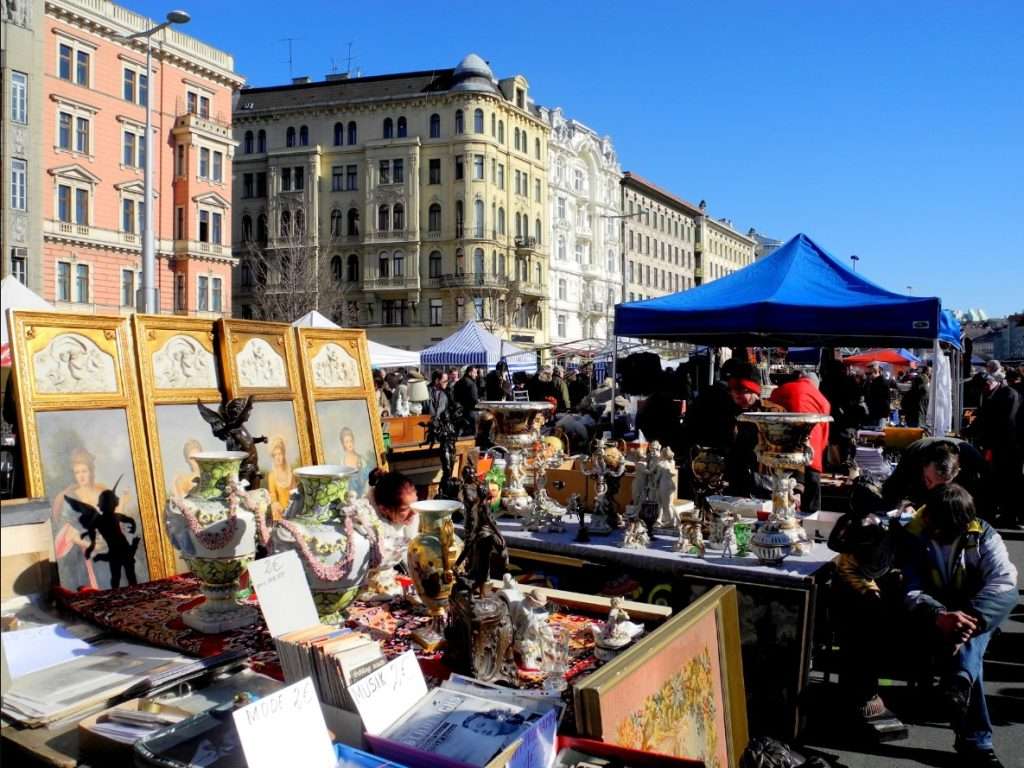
(854, 259)
(146, 299)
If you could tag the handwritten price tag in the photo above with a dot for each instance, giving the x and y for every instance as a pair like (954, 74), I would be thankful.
(382, 697)
(285, 599)
(285, 728)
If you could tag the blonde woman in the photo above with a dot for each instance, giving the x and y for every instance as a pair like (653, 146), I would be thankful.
(185, 481)
(68, 543)
(350, 458)
(280, 479)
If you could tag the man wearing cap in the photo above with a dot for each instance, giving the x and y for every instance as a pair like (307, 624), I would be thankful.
(741, 467)
(801, 395)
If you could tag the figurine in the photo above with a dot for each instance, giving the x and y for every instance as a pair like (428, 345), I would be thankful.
(690, 534)
(645, 487)
(485, 551)
(606, 465)
(636, 536)
(616, 633)
(105, 520)
(577, 510)
(545, 514)
(729, 520)
(400, 400)
(667, 485)
(228, 423)
(531, 628)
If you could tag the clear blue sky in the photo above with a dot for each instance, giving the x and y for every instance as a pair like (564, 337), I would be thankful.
(892, 130)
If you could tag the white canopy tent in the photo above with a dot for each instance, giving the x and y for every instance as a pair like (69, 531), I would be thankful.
(16, 295)
(381, 355)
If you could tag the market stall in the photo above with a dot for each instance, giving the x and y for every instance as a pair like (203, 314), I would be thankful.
(473, 344)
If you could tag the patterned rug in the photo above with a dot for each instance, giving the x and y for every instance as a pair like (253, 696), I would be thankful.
(151, 612)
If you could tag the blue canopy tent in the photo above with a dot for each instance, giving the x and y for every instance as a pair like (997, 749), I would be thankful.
(799, 295)
(473, 344)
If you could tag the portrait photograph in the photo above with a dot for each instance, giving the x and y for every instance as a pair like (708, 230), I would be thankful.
(89, 475)
(279, 455)
(347, 438)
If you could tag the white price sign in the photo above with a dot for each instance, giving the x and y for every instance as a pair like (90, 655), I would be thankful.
(385, 695)
(284, 595)
(285, 728)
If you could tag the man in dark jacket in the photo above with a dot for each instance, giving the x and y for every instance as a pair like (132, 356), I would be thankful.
(877, 396)
(960, 585)
(465, 394)
(499, 385)
(934, 461)
(997, 437)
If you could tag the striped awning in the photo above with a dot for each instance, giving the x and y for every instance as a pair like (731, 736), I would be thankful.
(473, 344)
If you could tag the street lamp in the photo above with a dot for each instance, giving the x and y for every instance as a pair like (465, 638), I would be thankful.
(855, 258)
(146, 299)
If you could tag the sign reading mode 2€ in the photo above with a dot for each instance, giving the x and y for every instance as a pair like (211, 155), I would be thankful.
(285, 728)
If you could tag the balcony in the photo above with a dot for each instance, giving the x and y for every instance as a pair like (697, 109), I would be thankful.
(392, 235)
(216, 126)
(594, 308)
(526, 245)
(472, 280)
(593, 271)
(394, 283)
(698, 247)
(528, 288)
(185, 248)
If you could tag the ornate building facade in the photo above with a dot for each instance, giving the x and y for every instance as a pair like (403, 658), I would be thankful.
(75, 199)
(423, 194)
(721, 250)
(586, 245)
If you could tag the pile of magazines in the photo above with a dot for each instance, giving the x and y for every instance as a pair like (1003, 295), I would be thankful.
(335, 658)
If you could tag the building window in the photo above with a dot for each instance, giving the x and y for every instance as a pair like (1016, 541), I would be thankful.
(261, 141)
(397, 171)
(63, 203)
(478, 167)
(127, 287)
(63, 281)
(501, 131)
(82, 135)
(128, 216)
(536, 148)
(398, 217)
(478, 218)
(64, 130)
(561, 326)
(383, 218)
(458, 167)
(399, 264)
(561, 209)
(64, 62)
(536, 190)
(384, 172)
(218, 166)
(352, 268)
(579, 253)
(215, 293)
(339, 134)
(352, 222)
(82, 206)
(337, 178)
(289, 137)
(501, 221)
(434, 265)
(336, 223)
(248, 144)
(389, 128)
(246, 228)
(562, 289)
(286, 179)
(82, 67)
(435, 126)
(459, 125)
(82, 283)
(128, 153)
(299, 174)
(561, 249)
(501, 176)
(303, 136)
(383, 265)
(128, 89)
(19, 184)
(215, 234)
(536, 231)
(403, 128)
(515, 138)
(434, 218)
(459, 218)
(434, 171)
(19, 264)
(19, 97)
(352, 133)
(436, 308)
(204, 225)
(478, 121)
(351, 178)
(204, 163)
(336, 269)
(179, 293)
(203, 294)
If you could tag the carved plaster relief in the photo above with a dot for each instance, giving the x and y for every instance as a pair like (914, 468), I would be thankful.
(183, 363)
(72, 363)
(260, 366)
(333, 366)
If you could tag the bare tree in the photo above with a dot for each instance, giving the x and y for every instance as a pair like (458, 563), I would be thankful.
(297, 265)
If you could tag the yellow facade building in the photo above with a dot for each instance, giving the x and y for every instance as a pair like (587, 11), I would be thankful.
(422, 195)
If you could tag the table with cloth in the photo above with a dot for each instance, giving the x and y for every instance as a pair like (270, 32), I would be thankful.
(778, 604)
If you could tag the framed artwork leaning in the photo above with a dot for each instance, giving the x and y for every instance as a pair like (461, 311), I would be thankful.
(259, 359)
(85, 446)
(678, 691)
(338, 385)
(178, 367)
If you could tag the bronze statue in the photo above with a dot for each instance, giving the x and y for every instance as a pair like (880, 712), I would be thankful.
(484, 552)
(228, 423)
(443, 429)
(576, 508)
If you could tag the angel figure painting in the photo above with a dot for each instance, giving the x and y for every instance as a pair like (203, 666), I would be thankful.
(94, 513)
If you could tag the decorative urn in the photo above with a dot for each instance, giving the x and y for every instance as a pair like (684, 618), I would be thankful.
(431, 563)
(516, 429)
(214, 530)
(783, 446)
(320, 524)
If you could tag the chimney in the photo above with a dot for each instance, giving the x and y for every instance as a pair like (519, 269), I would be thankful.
(301, 80)
(331, 77)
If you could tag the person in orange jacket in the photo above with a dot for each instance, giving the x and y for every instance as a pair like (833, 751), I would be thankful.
(801, 395)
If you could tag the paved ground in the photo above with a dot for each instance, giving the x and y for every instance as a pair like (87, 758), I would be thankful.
(931, 741)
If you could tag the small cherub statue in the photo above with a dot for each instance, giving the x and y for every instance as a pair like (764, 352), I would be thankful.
(729, 520)
(228, 424)
(690, 534)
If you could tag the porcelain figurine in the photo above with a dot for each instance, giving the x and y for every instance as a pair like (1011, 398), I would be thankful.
(729, 544)
(636, 536)
(335, 554)
(431, 564)
(691, 535)
(516, 429)
(576, 509)
(214, 528)
(605, 464)
(616, 633)
(668, 489)
(531, 626)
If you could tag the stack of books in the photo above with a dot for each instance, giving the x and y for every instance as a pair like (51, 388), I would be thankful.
(335, 659)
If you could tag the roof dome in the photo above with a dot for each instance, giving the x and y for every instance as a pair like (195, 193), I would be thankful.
(473, 74)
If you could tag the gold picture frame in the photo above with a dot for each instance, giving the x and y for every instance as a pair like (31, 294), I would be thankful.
(179, 366)
(651, 695)
(338, 385)
(260, 359)
(82, 433)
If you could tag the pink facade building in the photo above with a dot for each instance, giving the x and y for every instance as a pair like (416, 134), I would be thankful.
(94, 88)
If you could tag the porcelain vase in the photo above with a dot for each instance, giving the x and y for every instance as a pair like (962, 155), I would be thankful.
(320, 525)
(214, 530)
(431, 563)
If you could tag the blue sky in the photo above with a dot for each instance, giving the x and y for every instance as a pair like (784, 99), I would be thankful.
(890, 130)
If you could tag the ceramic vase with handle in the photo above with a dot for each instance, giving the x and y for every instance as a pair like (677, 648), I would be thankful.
(320, 525)
(214, 530)
(431, 564)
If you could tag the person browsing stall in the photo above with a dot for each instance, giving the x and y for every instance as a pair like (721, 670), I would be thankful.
(801, 395)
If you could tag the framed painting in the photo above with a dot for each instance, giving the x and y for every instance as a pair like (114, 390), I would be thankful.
(85, 448)
(338, 385)
(259, 360)
(678, 691)
(178, 367)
